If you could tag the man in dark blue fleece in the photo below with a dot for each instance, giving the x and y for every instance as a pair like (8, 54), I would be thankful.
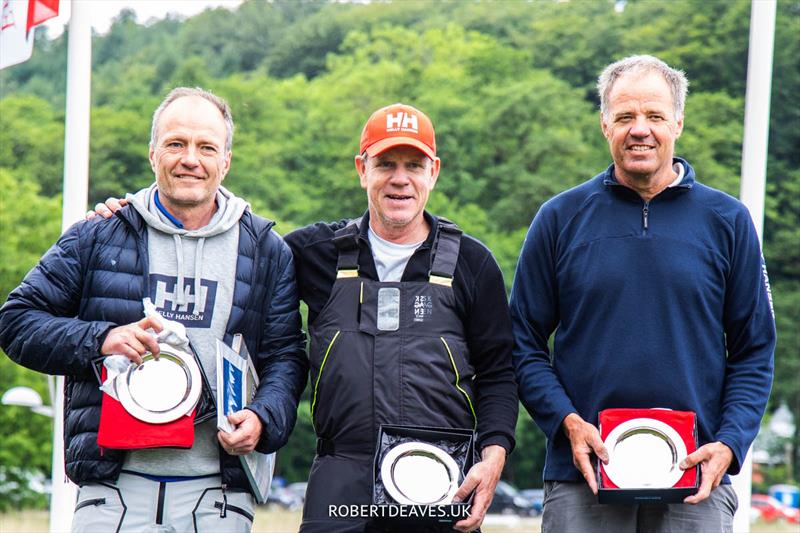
(657, 292)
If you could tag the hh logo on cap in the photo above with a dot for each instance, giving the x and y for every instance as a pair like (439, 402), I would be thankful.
(402, 122)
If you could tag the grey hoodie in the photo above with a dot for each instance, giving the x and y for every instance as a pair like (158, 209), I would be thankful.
(192, 277)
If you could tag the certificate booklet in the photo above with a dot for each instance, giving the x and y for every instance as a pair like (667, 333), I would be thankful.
(237, 382)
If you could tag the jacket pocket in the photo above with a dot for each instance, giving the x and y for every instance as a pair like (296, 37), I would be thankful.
(86, 503)
(100, 507)
(228, 508)
(216, 510)
(342, 381)
(461, 387)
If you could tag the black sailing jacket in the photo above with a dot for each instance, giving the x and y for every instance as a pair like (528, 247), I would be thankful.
(481, 303)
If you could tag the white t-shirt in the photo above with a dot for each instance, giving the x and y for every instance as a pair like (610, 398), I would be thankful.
(390, 258)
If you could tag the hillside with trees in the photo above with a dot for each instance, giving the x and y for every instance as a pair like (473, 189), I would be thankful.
(509, 86)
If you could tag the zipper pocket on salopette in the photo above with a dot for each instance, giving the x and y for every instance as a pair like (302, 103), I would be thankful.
(319, 377)
(458, 386)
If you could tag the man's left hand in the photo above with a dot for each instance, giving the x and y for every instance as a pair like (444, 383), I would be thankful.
(714, 459)
(244, 439)
(482, 478)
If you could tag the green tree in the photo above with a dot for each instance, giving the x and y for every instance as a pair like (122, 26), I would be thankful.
(712, 139)
(119, 153)
(32, 141)
(29, 224)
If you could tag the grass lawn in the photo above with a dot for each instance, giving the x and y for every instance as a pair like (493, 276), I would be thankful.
(270, 520)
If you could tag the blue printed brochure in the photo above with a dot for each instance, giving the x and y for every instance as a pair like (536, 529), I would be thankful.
(237, 381)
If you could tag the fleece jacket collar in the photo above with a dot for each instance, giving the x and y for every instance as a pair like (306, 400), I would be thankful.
(610, 180)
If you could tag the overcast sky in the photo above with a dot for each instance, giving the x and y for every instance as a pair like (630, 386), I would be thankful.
(102, 11)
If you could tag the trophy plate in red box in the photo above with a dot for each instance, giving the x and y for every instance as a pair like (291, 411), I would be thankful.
(645, 448)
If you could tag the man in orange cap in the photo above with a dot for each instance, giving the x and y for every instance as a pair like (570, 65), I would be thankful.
(400, 333)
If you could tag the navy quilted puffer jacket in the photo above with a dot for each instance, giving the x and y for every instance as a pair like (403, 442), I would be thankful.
(93, 279)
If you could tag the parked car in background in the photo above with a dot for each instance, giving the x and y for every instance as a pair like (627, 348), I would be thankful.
(791, 514)
(788, 495)
(755, 514)
(298, 490)
(285, 498)
(771, 509)
(536, 497)
(508, 500)
(768, 507)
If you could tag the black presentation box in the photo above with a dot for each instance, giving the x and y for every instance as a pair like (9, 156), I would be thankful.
(462, 440)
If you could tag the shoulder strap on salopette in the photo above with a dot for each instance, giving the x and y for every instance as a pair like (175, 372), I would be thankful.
(346, 241)
(444, 254)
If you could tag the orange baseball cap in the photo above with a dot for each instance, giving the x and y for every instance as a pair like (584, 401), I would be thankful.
(398, 125)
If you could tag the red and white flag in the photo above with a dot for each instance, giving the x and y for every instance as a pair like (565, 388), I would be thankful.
(17, 21)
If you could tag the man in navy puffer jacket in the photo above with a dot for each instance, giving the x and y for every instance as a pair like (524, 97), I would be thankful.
(204, 260)
(657, 293)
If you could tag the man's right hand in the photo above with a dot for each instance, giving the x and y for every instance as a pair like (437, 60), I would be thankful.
(585, 440)
(132, 340)
(107, 210)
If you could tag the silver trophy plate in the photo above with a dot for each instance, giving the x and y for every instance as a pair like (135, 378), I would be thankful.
(417, 473)
(160, 390)
(644, 453)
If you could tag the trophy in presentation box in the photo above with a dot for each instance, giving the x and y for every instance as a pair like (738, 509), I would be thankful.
(645, 448)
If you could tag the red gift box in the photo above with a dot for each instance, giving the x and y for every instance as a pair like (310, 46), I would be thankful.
(684, 423)
(120, 430)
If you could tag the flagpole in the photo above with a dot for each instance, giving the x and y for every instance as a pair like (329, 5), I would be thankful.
(76, 138)
(76, 188)
(756, 112)
(754, 177)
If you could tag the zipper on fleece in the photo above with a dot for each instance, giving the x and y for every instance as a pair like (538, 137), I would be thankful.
(645, 217)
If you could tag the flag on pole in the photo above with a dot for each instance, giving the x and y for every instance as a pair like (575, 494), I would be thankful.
(40, 11)
(17, 21)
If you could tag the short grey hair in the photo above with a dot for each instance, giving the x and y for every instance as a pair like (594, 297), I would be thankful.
(643, 64)
(180, 92)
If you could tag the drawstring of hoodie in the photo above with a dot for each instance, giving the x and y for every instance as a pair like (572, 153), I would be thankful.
(181, 295)
(198, 273)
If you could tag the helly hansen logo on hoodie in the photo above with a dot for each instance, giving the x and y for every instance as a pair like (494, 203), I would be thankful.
(182, 305)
